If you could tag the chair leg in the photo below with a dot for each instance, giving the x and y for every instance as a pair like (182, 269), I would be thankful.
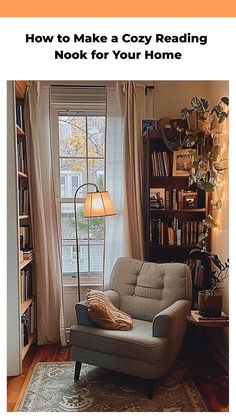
(150, 389)
(77, 370)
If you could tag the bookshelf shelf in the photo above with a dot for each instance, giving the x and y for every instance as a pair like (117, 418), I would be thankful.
(178, 211)
(25, 305)
(19, 131)
(24, 263)
(23, 217)
(24, 175)
(25, 349)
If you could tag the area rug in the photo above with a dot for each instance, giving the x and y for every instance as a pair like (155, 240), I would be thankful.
(53, 389)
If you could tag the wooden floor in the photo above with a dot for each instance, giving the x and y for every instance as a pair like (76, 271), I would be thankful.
(209, 377)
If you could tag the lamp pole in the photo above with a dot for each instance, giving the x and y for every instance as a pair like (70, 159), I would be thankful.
(76, 231)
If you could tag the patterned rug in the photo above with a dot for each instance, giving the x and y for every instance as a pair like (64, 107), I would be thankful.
(52, 389)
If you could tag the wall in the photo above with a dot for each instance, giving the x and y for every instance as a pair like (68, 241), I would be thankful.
(169, 98)
(172, 96)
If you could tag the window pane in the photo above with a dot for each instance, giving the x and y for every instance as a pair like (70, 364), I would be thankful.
(68, 222)
(96, 136)
(72, 136)
(96, 229)
(72, 169)
(63, 185)
(96, 172)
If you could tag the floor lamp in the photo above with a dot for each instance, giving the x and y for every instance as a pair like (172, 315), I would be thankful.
(97, 204)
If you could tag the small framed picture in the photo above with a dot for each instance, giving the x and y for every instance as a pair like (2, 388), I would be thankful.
(182, 163)
(189, 199)
(148, 125)
(157, 198)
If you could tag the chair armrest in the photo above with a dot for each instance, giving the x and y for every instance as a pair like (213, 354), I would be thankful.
(171, 322)
(82, 314)
(114, 296)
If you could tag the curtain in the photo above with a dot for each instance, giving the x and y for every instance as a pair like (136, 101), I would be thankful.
(135, 110)
(46, 240)
(127, 104)
(114, 226)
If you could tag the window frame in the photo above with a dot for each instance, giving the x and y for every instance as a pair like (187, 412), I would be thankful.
(70, 279)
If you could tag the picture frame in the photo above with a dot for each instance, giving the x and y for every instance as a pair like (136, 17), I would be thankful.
(157, 198)
(182, 163)
(148, 125)
(189, 199)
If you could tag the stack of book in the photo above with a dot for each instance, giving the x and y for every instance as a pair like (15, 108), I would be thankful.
(28, 254)
(199, 318)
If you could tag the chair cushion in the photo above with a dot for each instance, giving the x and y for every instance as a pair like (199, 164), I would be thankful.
(136, 343)
(104, 314)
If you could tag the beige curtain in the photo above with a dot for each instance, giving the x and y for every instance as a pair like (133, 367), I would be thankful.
(137, 104)
(46, 241)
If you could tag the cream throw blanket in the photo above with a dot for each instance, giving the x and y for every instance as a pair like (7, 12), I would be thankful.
(104, 314)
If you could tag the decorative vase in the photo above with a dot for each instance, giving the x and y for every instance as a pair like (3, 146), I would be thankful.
(210, 304)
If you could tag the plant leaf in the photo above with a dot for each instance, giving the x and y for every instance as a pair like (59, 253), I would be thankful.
(225, 100)
(208, 186)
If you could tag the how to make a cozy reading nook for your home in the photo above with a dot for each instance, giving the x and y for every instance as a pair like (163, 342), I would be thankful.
(118, 264)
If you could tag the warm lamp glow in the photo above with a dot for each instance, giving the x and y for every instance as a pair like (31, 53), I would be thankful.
(98, 204)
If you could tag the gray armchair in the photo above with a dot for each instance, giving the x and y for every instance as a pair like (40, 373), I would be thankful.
(158, 297)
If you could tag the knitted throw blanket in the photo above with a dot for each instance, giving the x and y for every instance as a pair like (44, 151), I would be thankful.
(104, 314)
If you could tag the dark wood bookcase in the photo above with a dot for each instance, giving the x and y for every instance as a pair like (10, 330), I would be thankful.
(159, 249)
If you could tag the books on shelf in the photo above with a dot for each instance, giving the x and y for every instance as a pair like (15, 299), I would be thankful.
(175, 199)
(21, 162)
(27, 324)
(199, 318)
(174, 232)
(23, 200)
(19, 113)
(161, 163)
(24, 237)
(25, 284)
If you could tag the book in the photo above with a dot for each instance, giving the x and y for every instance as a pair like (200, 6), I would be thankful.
(167, 200)
(195, 314)
(174, 200)
(171, 236)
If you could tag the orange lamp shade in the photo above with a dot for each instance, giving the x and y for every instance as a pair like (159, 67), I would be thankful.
(98, 204)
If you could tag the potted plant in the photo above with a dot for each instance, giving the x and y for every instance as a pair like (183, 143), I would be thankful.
(210, 300)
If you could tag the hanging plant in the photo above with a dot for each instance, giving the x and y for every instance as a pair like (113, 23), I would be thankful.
(203, 130)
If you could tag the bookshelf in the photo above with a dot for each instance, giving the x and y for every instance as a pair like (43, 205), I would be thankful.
(21, 322)
(173, 212)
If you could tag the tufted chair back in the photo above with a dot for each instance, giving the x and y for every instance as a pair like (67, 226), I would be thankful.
(146, 288)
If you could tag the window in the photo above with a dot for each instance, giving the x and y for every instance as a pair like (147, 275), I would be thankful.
(79, 127)
(81, 160)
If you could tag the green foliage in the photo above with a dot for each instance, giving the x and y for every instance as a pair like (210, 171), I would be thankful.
(208, 165)
(219, 270)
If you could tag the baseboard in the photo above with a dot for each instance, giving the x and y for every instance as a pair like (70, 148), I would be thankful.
(220, 353)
